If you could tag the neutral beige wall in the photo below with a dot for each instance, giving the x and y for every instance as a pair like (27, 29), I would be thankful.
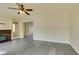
(21, 29)
(7, 25)
(74, 28)
(54, 28)
(26, 28)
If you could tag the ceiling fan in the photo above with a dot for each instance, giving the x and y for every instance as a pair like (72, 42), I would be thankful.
(21, 9)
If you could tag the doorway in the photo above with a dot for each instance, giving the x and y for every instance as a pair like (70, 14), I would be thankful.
(15, 30)
(28, 29)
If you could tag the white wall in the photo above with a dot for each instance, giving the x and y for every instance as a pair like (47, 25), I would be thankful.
(74, 28)
(54, 28)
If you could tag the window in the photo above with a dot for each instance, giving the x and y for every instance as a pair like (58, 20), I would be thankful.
(13, 27)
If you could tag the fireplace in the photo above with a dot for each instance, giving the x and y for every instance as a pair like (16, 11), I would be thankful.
(3, 38)
(5, 35)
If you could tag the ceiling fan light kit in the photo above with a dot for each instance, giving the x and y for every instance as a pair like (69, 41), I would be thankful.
(21, 12)
(21, 9)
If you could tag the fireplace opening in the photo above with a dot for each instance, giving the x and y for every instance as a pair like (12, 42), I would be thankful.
(3, 38)
(5, 35)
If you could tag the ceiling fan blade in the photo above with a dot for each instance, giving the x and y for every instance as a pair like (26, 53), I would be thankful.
(22, 5)
(18, 4)
(26, 13)
(13, 8)
(29, 9)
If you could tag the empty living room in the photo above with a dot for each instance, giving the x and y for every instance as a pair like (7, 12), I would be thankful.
(39, 28)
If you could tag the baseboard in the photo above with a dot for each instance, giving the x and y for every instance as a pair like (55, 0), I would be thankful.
(52, 41)
(74, 49)
(61, 43)
(14, 38)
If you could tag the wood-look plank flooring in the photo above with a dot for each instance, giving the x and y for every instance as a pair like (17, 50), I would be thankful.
(27, 46)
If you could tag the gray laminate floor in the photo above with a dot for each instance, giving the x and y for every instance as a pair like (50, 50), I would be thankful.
(27, 46)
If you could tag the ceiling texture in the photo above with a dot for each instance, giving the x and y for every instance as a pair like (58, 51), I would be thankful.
(39, 9)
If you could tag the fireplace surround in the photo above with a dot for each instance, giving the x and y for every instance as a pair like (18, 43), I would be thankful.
(5, 35)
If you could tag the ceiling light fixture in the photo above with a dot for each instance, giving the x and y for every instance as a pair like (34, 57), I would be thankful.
(21, 12)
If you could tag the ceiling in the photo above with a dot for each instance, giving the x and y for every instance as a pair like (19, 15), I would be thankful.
(39, 9)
